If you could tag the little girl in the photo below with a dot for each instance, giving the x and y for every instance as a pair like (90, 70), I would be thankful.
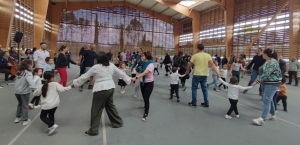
(156, 65)
(233, 94)
(121, 83)
(37, 72)
(50, 99)
(215, 79)
(223, 71)
(236, 68)
(174, 83)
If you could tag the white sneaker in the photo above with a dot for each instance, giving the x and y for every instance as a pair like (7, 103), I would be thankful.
(259, 121)
(272, 117)
(134, 96)
(37, 106)
(227, 116)
(26, 122)
(237, 116)
(17, 120)
(122, 92)
(30, 106)
(52, 129)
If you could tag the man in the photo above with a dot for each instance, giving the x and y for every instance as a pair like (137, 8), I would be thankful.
(258, 61)
(218, 59)
(282, 65)
(200, 61)
(40, 55)
(89, 56)
(13, 53)
(167, 62)
(5, 66)
(68, 55)
(123, 56)
(137, 62)
(293, 68)
(109, 54)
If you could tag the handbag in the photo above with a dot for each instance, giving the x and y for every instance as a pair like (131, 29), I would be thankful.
(138, 68)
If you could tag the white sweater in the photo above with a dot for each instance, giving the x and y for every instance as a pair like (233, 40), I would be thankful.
(233, 90)
(52, 99)
(175, 77)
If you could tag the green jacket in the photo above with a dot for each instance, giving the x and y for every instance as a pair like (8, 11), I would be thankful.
(271, 72)
(294, 65)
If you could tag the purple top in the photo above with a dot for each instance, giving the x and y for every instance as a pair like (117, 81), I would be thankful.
(149, 77)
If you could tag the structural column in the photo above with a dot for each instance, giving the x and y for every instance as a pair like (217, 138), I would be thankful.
(176, 35)
(196, 30)
(229, 23)
(55, 19)
(294, 28)
(7, 8)
(40, 13)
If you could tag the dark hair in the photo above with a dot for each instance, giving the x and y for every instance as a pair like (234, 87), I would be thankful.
(270, 53)
(133, 53)
(235, 60)
(47, 59)
(102, 58)
(42, 43)
(200, 46)
(48, 75)
(174, 69)
(62, 47)
(36, 70)
(148, 55)
(27, 51)
(259, 49)
(4, 53)
(25, 65)
(180, 53)
(233, 80)
(283, 80)
(34, 49)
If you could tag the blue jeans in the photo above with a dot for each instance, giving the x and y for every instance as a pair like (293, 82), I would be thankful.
(215, 81)
(195, 81)
(254, 75)
(237, 75)
(269, 91)
(275, 99)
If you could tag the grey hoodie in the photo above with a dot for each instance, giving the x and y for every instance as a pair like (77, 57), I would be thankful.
(24, 83)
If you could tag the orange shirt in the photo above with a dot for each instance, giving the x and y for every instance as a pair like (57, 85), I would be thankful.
(282, 91)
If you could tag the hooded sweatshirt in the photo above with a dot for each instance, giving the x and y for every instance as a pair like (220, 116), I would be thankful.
(24, 83)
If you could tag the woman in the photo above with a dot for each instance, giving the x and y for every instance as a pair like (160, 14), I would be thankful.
(167, 62)
(103, 91)
(224, 60)
(271, 79)
(146, 81)
(28, 54)
(61, 65)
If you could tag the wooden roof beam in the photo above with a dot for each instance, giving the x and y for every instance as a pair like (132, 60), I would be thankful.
(180, 8)
(164, 10)
(140, 3)
(175, 15)
(153, 6)
(197, 3)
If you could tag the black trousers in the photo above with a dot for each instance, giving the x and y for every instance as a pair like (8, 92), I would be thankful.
(156, 69)
(35, 100)
(283, 101)
(224, 79)
(82, 69)
(174, 89)
(233, 107)
(293, 74)
(167, 68)
(6, 73)
(47, 116)
(146, 90)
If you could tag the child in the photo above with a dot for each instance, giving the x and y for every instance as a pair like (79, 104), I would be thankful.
(236, 68)
(23, 86)
(215, 79)
(49, 62)
(174, 83)
(121, 83)
(282, 95)
(233, 94)
(156, 65)
(223, 71)
(37, 73)
(50, 99)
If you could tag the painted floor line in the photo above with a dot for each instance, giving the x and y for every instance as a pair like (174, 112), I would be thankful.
(27, 126)
(258, 111)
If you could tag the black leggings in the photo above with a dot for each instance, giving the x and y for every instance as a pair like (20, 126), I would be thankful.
(167, 68)
(35, 100)
(283, 101)
(224, 79)
(174, 89)
(82, 69)
(156, 69)
(233, 107)
(50, 120)
(146, 90)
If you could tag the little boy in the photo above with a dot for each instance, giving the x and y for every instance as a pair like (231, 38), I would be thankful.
(223, 71)
(49, 62)
(282, 95)
(174, 83)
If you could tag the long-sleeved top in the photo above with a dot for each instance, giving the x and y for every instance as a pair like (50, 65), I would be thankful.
(282, 91)
(48, 68)
(24, 83)
(233, 90)
(271, 73)
(282, 65)
(223, 73)
(175, 77)
(3, 63)
(103, 77)
(63, 61)
(52, 97)
(37, 81)
(39, 56)
(224, 60)
(294, 65)
(257, 61)
(167, 60)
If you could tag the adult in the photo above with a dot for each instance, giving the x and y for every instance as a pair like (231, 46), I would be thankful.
(231, 60)
(61, 65)
(257, 62)
(5, 66)
(89, 56)
(127, 55)
(68, 55)
(243, 56)
(109, 55)
(81, 60)
(40, 55)
(224, 60)
(180, 62)
(1, 52)
(167, 63)
(293, 68)
(146, 77)
(33, 50)
(13, 53)
(123, 56)
(22, 55)
(282, 65)
(200, 61)
(103, 92)
(218, 59)
(138, 61)
(28, 54)
(271, 79)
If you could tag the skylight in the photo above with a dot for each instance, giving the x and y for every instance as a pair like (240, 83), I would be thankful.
(188, 3)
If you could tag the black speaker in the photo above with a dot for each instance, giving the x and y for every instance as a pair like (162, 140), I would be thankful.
(18, 37)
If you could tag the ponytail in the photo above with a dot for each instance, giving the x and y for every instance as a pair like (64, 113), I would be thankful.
(45, 89)
(48, 75)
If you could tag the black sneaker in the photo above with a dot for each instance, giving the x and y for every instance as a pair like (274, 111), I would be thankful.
(145, 116)
(90, 87)
(184, 89)
(204, 105)
(178, 100)
(285, 110)
(166, 74)
(192, 105)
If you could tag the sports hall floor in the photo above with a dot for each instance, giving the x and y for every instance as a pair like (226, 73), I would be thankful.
(169, 122)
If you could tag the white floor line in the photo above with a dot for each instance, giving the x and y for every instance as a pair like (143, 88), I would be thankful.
(258, 110)
(103, 129)
(28, 125)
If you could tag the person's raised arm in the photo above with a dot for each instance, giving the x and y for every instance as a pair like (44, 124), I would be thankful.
(250, 64)
(223, 82)
(60, 88)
